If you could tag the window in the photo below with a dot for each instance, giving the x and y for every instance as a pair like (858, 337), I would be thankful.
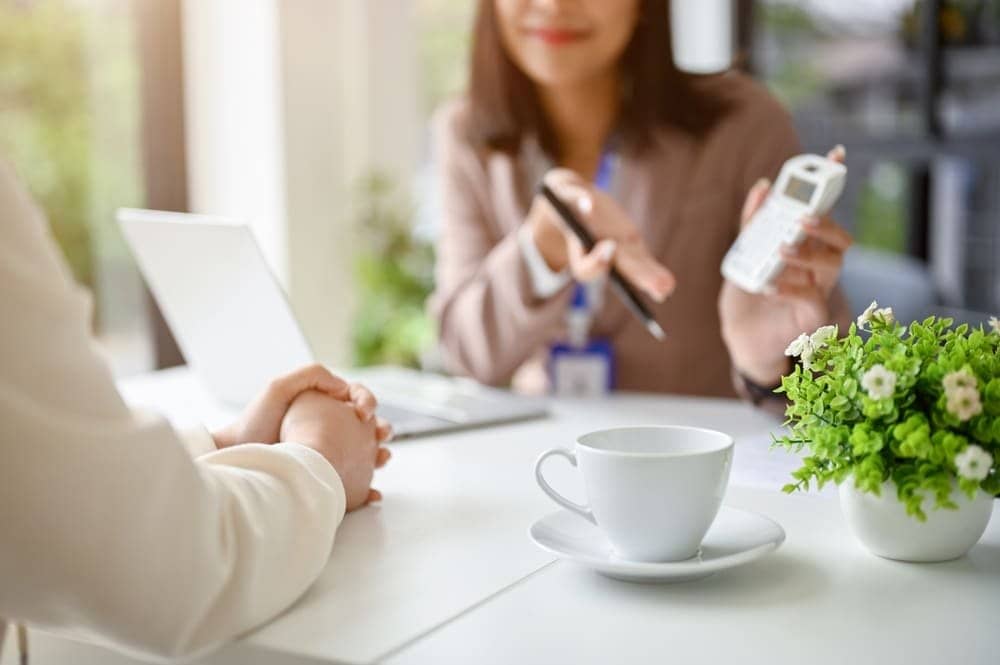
(69, 123)
(444, 29)
(394, 270)
(911, 87)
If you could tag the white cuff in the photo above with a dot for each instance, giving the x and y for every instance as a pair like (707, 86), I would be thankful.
(198, 441)
(268, 458)
(545, 282)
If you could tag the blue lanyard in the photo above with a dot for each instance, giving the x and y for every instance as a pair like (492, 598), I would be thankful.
(606, 170)
(603, 180)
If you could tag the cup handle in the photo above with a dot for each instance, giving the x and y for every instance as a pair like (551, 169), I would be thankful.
(577, 508)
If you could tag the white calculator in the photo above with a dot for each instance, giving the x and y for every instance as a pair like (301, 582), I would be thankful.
(808, 185)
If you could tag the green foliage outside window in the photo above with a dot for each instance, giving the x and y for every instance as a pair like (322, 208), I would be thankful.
(881, 220)
(69, 122)
(394, 268)
(44, 122)
(395, 275)
(444, 28)
(795, 80)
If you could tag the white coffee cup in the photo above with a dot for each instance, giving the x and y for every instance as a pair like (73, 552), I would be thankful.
(653, 491)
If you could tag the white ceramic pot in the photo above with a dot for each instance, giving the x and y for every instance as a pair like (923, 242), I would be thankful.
(882, 525)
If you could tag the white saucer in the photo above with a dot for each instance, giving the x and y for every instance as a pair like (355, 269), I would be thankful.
(735, 538)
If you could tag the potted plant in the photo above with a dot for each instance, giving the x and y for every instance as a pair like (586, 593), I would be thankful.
(906, 420)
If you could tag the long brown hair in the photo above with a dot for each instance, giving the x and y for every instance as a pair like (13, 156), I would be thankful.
(505, 105)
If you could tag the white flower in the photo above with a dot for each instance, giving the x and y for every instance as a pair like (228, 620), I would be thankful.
(803, 348)
(873, 313)
(806, 359)
(823, 335)
(879, 382)
(957, 380)
(866, 315)
(963, 403)
(973, 463)
(995, 324)
(800, 345)
(884, 315)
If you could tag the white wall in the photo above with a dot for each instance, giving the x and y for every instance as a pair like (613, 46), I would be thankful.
(288, 103)
(233, 116)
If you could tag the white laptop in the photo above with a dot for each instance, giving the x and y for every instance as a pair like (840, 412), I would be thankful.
(237, 331)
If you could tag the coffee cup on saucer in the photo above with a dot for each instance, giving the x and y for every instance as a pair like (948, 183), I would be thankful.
(652, 491)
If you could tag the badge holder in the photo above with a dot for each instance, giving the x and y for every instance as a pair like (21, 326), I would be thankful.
(581, 367)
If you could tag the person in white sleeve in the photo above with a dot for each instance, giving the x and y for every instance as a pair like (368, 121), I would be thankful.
(116, 529)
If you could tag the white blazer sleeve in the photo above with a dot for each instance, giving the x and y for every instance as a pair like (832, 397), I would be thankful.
(198, 441)
(109, 529)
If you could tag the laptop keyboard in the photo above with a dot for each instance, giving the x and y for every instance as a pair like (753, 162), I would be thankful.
(406, 422)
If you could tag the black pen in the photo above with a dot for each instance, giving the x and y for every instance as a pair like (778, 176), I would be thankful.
(622, 288)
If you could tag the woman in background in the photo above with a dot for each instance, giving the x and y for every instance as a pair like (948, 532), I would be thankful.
(561, 90)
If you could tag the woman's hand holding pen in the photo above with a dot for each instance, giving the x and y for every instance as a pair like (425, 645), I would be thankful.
(620, 245)
(758, 327)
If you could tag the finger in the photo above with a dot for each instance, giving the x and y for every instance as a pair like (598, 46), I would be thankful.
(794, 276)
(381, 457)
(594, 264)
(838, 153)
(755, 199)
(575, 249)
(383, 430)
(821, 260)
(824, 262)
(827, 231)
(805, 294)
(640, 268)
(364, 402)
(311, 377)
(374, 496)
(558, 178)
(575, 197)
(572, 189)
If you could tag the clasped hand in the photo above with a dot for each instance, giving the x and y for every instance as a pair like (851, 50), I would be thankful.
(316, 409)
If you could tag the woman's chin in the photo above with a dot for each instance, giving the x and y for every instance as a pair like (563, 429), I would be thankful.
(558, 71)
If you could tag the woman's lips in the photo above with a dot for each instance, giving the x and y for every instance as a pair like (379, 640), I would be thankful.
(557, 36)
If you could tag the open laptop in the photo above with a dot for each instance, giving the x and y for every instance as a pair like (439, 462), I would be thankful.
(236, 328)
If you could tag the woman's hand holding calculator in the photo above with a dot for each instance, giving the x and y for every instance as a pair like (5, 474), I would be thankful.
(757, 327)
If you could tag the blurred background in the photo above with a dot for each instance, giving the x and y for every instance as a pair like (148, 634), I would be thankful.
(310, 119)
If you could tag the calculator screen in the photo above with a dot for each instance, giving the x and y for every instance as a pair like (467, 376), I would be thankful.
(800, 190)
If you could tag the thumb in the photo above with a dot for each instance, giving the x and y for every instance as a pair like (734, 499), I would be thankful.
(755, 199)
(838, 153)
(313, 377)
(586, 267)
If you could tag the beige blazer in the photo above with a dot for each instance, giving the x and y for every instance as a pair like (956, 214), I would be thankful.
(685, 194)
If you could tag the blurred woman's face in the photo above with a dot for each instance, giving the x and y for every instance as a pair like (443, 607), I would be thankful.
(565, 42)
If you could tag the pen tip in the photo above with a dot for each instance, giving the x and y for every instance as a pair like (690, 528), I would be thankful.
(655, 330)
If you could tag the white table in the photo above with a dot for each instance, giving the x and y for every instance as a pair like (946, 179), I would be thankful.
(443, 570)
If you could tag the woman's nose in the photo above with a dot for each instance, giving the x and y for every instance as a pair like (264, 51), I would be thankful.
(551, 6)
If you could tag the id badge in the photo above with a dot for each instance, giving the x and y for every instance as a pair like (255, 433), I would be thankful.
(582, 371)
